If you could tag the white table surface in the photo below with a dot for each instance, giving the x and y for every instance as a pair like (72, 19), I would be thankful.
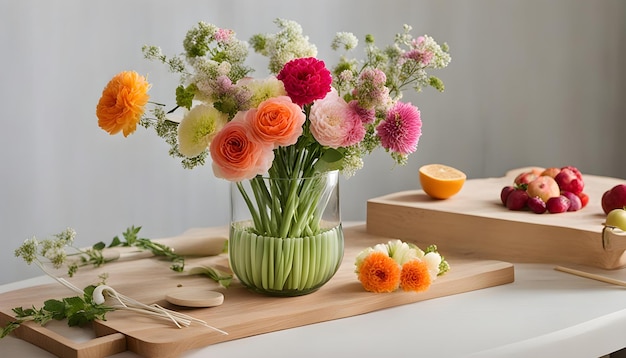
(544, 313)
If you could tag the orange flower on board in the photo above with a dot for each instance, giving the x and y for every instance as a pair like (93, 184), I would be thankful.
(415, 276)
(277, 120)
(123, 103)
(379, 273)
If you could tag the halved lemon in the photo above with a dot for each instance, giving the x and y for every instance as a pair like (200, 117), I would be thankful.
(441, 181)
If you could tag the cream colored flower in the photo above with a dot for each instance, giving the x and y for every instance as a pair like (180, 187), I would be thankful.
(197, 129)
(361, 257)
(263, 89)
(432, 259)
(401, 252)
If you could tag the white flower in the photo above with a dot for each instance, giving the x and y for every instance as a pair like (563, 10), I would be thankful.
(402, 252)
(361, 257)
(382, 248)
(432, 260)
(263, 89)
(198, 128)
(347, 40)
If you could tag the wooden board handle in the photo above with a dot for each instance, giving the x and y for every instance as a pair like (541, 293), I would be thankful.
(61, 346)
(193, 242)
(613, 238)
(197, 242)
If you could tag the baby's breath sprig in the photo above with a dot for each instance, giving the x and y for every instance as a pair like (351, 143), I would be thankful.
(59, 251)
(55, 251)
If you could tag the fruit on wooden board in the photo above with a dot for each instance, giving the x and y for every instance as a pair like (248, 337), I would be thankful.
(575, 203)
(570, 179)
(617, 218)
(551, 172)
(544, 187)
(537, 205)
(553, 190)
(558, 204)
(517, 200)
(504, 193)
(614, 198)
(441, 181)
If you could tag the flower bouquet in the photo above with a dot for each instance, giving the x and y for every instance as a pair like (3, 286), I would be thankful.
(282, 140)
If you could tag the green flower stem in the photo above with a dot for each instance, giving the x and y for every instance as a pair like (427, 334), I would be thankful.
(262, 197)
(255, 216)
(285, 204)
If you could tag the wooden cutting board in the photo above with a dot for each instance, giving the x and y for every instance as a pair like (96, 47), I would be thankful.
(474, 223)
(242, 314)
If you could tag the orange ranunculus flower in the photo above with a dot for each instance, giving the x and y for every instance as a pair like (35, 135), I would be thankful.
(415, 276)
(237, 155)
(123, 103)
(379, 273)
(277, 120)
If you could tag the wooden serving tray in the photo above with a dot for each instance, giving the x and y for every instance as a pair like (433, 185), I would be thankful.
(242, 314)
(474, 223)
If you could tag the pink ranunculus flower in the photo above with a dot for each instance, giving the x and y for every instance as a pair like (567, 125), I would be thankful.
(332, 120)
(402, 128)
(236, 153)
(306, 80)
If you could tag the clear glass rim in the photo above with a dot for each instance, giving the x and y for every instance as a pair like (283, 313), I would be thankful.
(329, 173)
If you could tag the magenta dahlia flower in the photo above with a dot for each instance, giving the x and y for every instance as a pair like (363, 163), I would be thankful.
(305, 79)
(401, 130)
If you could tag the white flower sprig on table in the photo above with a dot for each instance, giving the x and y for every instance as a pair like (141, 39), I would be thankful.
(397, 264)
(59, 251)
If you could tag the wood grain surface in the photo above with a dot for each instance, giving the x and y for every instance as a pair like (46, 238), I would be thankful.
(474, 223)
(243, 313)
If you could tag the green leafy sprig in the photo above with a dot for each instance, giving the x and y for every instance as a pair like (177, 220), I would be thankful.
(59, 251)
(131, 239)
(77, 310)
(89, 304)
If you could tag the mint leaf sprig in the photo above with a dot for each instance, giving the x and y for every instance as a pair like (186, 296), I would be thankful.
(91, 304)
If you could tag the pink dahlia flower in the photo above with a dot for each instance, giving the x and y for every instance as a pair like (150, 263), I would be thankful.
(402, 128)
(306, 80)
(355, 130)
(367, 115)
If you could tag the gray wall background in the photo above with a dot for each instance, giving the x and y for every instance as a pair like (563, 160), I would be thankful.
(532, 82)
